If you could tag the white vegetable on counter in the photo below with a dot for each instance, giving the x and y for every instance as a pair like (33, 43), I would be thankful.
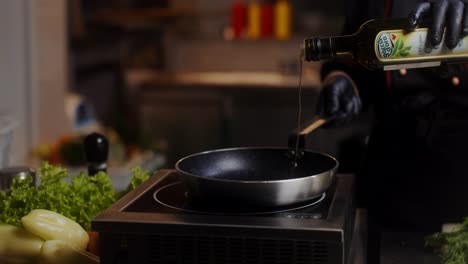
(50, 225)
(18, 246)
(60, 252)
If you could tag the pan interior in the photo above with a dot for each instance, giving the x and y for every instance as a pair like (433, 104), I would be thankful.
(254, 165)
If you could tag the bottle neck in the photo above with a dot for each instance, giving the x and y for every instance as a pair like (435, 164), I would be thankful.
(316, 49)
(94, 168)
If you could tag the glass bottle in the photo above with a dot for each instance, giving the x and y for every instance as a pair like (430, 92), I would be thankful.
(267, 19)
(253, 20)
(282, 19)
(238, 14)
(384, 44)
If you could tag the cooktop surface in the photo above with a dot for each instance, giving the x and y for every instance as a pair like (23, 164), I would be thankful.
(164, 200)
(170, 195)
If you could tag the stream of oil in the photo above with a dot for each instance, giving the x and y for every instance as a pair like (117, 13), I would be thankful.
(299, 113)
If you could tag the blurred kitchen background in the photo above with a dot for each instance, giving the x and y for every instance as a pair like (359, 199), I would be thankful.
(165, 77)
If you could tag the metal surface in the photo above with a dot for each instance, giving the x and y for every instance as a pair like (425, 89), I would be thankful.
(8, 174)
(411, 65)
(161, 196)
(136, 229)
(7, 126)
(257, 176)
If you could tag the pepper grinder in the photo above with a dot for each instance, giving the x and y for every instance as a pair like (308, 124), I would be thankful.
(96, 147)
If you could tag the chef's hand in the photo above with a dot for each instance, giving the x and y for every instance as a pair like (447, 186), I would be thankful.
(339, 100)
(450, 13)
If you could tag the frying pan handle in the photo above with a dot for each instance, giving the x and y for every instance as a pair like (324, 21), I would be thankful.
(296, 139)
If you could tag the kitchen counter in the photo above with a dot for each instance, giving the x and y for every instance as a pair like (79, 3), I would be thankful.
(221, 109)
(230, 109)
(237, 80)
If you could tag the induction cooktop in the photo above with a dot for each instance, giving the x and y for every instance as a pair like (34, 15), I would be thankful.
(159, 222)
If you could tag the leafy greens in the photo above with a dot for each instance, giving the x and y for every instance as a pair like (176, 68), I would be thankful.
(81, 199)
(452, 247)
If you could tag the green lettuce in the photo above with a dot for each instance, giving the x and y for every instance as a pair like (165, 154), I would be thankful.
(81, 199)
(139, 176)
(451, 247)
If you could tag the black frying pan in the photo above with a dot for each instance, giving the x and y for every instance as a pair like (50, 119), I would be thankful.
(266, 177)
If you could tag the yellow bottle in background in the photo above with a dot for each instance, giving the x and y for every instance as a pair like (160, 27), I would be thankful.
(253, 20)
(282, 19)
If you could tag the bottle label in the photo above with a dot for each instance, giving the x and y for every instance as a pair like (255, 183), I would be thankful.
(395, 45)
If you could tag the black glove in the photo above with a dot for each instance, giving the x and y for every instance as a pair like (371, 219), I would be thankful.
(339, 100)
(450, 13)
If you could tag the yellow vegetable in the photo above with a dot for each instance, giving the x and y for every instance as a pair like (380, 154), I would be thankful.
(60, 252)
(18, 246)
(52, 226)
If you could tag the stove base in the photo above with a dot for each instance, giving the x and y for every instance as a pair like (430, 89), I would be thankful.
(137, 229)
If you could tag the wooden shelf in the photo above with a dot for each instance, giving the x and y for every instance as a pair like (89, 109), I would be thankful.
(144, 16)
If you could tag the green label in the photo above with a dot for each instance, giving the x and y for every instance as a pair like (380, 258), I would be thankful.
(394, 45)
(385, 45)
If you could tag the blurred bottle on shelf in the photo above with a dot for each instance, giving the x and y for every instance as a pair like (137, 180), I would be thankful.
(267, 19)
(96, 148)
(253, 20)
(282, 19)
(238, 18)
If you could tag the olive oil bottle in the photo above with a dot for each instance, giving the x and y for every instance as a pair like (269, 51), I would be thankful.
(384, 44)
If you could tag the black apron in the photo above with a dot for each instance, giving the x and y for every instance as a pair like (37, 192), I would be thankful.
(417, 162)
(415, 176)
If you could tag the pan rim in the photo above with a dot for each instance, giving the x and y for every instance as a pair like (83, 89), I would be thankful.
(256, 181)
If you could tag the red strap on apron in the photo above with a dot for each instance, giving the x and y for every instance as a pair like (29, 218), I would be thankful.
(387, 10)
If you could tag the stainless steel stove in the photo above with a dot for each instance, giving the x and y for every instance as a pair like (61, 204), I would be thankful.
(159, 223)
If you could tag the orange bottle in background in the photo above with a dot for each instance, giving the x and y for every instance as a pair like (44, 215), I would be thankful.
(253, 20)
(282, 19)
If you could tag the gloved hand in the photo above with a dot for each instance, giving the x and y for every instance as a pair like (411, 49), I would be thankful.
(339, 99)
(450, 13)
